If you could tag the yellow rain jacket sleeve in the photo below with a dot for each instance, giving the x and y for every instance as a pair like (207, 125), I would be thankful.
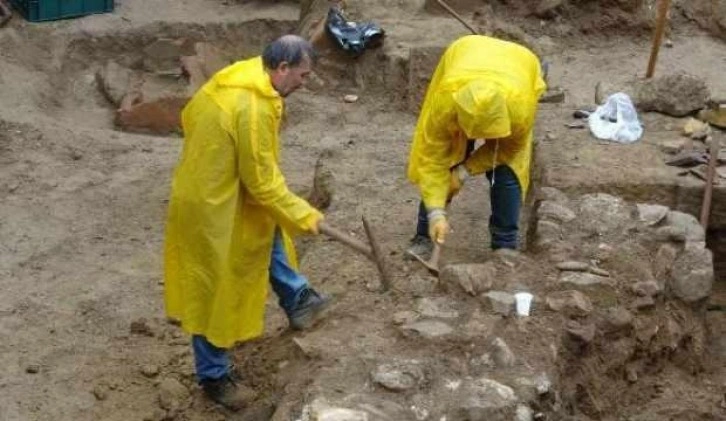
(228, 196)
(483, 88)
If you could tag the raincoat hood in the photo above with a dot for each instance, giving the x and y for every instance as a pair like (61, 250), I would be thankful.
(481, 111)
(247, 74)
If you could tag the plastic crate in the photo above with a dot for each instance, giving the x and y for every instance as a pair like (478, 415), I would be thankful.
(41, 10)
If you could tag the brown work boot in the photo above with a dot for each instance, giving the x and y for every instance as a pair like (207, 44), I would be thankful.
(228, 393)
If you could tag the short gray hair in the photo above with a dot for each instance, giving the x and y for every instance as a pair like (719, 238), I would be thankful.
(288, 48)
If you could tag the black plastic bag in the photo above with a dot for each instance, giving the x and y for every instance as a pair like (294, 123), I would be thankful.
(350, 36)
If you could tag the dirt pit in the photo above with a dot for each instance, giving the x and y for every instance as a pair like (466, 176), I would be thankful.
(83, 207)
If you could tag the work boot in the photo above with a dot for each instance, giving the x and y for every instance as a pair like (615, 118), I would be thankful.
(228, 393)
(421, 246)
(309, 309)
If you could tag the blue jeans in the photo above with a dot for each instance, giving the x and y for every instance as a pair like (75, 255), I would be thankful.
(506, 201)
(212, 362)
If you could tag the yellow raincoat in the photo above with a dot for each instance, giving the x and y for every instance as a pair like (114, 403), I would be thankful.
(228, 196)
(483, 88)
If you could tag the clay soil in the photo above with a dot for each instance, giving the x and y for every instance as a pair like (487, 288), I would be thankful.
(82, 329)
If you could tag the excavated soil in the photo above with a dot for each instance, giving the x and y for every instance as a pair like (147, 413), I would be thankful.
(83, 208)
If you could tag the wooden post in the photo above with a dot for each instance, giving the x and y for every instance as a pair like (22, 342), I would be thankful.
(660, 23)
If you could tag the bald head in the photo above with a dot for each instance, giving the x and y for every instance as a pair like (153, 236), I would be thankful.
(290, 49)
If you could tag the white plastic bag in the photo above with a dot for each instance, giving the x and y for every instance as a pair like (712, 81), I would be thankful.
(616, 120)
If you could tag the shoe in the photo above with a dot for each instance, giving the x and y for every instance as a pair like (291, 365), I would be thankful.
(228, 393)
(421, 246)
(308, 310)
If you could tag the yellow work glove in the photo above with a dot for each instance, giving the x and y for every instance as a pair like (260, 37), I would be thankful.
(438, 226)
(459, 174)
(315, 223)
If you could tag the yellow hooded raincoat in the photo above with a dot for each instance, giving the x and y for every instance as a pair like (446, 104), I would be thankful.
(228, 196)
(483, 88)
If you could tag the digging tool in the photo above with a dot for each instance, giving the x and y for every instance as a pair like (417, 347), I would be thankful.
(665, 5)
(458, 17)
(708, 193)
(433, 263)
(373, 253)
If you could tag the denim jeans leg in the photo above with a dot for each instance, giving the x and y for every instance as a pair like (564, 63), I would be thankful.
(210, 362)
(287, 283)
(422, 225)
(506, 201)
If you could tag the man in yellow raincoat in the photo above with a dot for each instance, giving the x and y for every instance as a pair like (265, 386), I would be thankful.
(231, 215)
(483, 89)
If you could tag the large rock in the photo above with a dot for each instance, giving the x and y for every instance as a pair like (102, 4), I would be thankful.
(429, 329)
(688, 223)
(571, 303)
(602, 213)
(114, 81)
(501, 353)
(583, 279)
(651, 214)
(692, 274)
(473, 278)
(173, 395)
(547, 233)
(440, 308)
(398, 376)
(676, 95)
(320, 410)
(484, 399)
(553, 195)
(499, 302)
(555, 212)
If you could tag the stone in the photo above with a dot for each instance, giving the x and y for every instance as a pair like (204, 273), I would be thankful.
(484, 399)
(524, 413)
(673, 146)
(571, 303)
(547, 232)
(542, 384)
(644, 303)
(172, 394)
(676, 94)
(164, 54)
(602, 213)
(141, 327)
(114, 80)
(472, 278)
(646, 288)
(350, 98)
(671, 234)
(692, 228)
(555, 212)
(651, 214)
(32, 368)
(150, 370)
(573, 266)
(507, 257)
(582, 333)
(499, 302)
(547, 9)
(399, 376)
(692, 274)
(583, 279)
(100, 393)
(696, 129)
(553, 195)
(617, 319)
(501, 353)
(428, 329)
(555, 95)
(320, 410)
(438, 308)
(403, 317)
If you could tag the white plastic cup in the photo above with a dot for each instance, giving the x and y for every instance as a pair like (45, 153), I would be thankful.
(523, 301)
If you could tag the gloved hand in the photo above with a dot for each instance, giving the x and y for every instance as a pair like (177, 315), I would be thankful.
(459, 174)
(316, 223)
(438, 226)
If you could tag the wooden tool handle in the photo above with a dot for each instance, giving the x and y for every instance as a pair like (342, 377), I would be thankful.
(346, 239)
(378, 256)
(660, 23)
(711, 174)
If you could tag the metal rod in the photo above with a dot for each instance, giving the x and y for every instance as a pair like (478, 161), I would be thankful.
(458, 17)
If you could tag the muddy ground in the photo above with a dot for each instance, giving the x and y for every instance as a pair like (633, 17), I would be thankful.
(83, 206)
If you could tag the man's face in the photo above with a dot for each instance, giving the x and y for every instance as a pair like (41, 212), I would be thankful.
(287, 79)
